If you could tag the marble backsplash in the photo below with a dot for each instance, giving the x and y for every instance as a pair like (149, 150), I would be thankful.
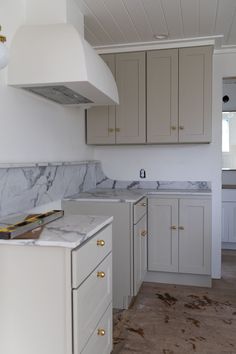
(24, 187)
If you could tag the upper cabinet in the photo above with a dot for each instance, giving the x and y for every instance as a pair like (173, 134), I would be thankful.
(195, 80)
(124, 123)
(163, 99)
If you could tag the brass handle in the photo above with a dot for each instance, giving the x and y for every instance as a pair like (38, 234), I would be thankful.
(117, 130)
(142, 204)
(181, 127)
(143, 233)
(173, 127)
(111, 130)
(100, 243)
(181, 228)
(100, 274)
(101, 332)
(173, 227)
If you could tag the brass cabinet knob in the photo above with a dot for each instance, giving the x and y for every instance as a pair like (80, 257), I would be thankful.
(117, 130)
(101, 332)
(143, 204)
(111, 130)
(100, 274)
(181, 127)
(173, 127)
(143, 233)
(100, 243)
(173, 227)
(181, 228)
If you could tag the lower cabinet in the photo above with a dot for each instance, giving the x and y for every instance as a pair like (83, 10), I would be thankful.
(53, 301)
(179, 235)
(229, 222)
(129, 243)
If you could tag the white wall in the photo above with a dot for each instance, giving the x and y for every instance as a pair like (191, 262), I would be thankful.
(183, 162)
(33, 129)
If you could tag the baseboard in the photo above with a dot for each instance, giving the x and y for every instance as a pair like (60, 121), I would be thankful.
(179, 279)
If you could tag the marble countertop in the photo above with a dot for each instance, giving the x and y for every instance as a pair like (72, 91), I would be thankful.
(69, 231)
(131, 195)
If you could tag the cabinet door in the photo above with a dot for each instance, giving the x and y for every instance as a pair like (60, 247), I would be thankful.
(163, 234)
(162, 96)
(195, 78)
(225, 222)
(232, 222)
(140, 253)
(101, 119)
(195, 236)
(130, 113)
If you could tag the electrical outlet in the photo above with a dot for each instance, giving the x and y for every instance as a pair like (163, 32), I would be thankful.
(142, 173)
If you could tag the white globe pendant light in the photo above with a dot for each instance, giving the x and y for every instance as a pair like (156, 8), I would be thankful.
(4, 53)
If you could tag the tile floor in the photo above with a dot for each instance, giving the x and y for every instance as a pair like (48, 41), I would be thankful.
(170, 319)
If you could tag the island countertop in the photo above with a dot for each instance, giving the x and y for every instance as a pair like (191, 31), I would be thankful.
(70, 231)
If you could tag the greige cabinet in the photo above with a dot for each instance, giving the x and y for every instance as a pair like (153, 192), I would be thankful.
(179, 95)
(124, 240)
(100, 120)
(179, 230)
(229, 222)
(126, 122)
(162, 96)
(140, 245)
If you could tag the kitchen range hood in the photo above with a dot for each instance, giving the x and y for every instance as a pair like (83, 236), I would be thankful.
(55, 62)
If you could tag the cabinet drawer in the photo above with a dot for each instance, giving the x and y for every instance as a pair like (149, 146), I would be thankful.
(90, 301)
(140, 209)
(101, 343)
(86, 258)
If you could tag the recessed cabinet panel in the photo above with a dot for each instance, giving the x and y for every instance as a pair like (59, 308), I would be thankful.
(162, 96)
(194, 236)
(140, 253)
(195, 78)
(229, 222)
(130, 113)
(163, 235)
(101, 119)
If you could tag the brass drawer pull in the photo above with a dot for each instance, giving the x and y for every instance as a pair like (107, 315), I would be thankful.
(173, 127)
(173, 227)
(101, 332)
(143, 204)
(100, 243)
(100, 274)
(117, 130)
(181, 127)
(111, 130)
(181, 228)
(143, 233)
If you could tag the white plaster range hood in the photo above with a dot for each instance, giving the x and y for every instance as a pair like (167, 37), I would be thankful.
(54, 61)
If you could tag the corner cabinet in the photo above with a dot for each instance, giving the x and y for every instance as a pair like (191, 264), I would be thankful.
(165, 97)
(179, 238)
(57, 300)
(124, 123)
(129, 243)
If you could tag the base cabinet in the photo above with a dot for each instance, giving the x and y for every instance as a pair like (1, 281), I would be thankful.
(48, 306)
(179, 231)
(229, 222)
(129, 247)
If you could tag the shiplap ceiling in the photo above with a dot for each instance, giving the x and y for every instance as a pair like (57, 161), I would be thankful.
(109, 22)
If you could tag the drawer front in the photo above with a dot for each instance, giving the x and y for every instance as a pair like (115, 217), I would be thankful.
(101, 339)
(86, 258)
(90, 301)
(140, 209)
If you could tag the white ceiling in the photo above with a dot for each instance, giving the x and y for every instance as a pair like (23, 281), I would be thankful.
(109, 22)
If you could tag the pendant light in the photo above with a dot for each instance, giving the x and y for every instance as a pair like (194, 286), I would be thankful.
(4, 54)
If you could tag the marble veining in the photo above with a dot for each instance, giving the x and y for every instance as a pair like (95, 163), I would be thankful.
(69, 231)
(23, 188)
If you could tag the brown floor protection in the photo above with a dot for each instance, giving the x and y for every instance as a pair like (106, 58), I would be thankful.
(169, 319)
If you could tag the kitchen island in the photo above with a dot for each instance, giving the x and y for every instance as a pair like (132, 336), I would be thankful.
(56, 291)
